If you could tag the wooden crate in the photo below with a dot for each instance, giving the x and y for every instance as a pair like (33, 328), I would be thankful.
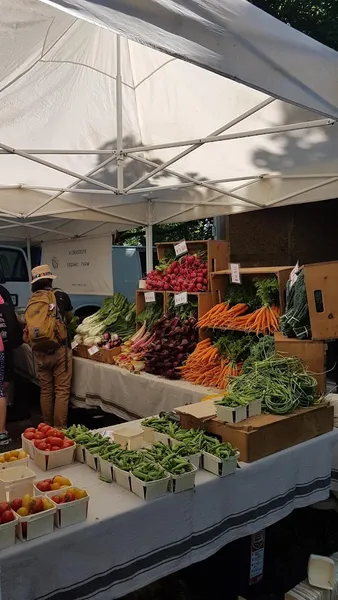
(321, 282)
(220, 281)
(217, 253)
(266, 434)
(313, 355)
(204, 300)
(141, 303)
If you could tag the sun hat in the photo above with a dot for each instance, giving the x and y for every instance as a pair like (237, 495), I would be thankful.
(42, 272)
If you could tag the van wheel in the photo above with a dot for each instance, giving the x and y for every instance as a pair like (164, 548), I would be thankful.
(85, 311)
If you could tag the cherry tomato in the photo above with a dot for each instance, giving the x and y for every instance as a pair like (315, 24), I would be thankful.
(39, 435)
(29, 435)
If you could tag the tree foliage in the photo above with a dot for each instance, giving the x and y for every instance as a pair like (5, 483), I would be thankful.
(317, 19)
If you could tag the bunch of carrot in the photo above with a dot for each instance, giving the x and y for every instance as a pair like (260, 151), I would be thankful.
(205, 366)
(263, 320)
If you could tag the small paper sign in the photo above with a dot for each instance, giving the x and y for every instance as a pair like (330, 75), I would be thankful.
(293, 274)
(149, 297)
(74, 345)
(235, 273)
(181, 248)
(181, 298)
(93, 350)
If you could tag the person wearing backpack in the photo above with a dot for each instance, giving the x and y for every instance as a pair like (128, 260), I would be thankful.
(47, 314)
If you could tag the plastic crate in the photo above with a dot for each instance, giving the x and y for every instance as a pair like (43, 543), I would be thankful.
(231, 415)
(92, 460)
(52, 460)
(254, 408)
(219, 466)
(21, 462)
(181, 483)
(27, 446)
(69, 513)
(106, 469)
(15, 483)
(34, 526)
(149, 490)
(148, 434)
(122, 478)
(37, 492)
(80, 453)
(7, 533)
(129, 438)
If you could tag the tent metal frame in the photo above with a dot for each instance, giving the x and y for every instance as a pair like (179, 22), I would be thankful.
(120, 154)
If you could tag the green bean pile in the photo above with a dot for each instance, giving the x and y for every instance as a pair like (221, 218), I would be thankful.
(222, 450)
(281, 383)
(126, 460)
(147, 471)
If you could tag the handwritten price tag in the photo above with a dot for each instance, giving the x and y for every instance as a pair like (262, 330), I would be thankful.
(93, 350)
(235, 273)
(149, 297)
(181, 298)
(74, 345)
(181, 248)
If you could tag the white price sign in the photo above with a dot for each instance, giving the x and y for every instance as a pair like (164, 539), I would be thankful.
(149, 297)
(74, 345)
(93, 350)
(181, 248)
(181, 298)
(235, 273)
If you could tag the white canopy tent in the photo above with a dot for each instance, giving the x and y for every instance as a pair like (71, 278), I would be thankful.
(97, 127)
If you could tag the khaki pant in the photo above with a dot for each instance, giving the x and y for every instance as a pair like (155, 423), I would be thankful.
(55, 376)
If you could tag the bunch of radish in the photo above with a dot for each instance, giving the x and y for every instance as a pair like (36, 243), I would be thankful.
(188, 274)
(172, 341)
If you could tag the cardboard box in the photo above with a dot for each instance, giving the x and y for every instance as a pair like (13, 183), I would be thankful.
(264, 435)
(321, 282)
(312, 353)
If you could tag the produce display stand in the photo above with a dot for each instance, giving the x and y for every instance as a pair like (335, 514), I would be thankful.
(312, 353)
(263, 435)
(217, 253)
(220, 280)
(141, 303)
(321, 281)
(105, 542)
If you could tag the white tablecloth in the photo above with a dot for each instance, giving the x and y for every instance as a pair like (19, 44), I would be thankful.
(127, 395)
(127, 543)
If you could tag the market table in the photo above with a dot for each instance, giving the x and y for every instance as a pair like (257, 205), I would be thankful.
(127, 543)
(127, 395)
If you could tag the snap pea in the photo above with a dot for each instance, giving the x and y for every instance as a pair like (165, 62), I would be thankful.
(222, 450)
(176, 465)
(147, 472)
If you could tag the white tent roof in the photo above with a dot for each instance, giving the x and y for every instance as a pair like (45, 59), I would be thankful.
(97, 127)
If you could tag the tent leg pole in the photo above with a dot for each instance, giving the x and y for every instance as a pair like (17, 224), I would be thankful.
(119, 116)
(29, 258)
(149, 248)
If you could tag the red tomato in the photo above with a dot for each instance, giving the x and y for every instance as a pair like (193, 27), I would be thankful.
(52, 432)
(30, 429)
(67, 444)
(40, 445)
(48, 447)
(41, 426)
(59, 434)
(54, 441)
(53, 448)
(29, 435)
(56, 499)
(7, 517)
(4, 507)
(46, 429)
(39, 435)
(69, 497)
(16, 504)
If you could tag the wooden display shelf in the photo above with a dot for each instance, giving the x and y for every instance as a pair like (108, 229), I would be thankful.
(312, 353)
(160, 297)
(263, 435)
(217, 253)
(204, 301)
(220, 281)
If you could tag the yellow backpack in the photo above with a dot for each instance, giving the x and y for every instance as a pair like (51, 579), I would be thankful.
(45, 329)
